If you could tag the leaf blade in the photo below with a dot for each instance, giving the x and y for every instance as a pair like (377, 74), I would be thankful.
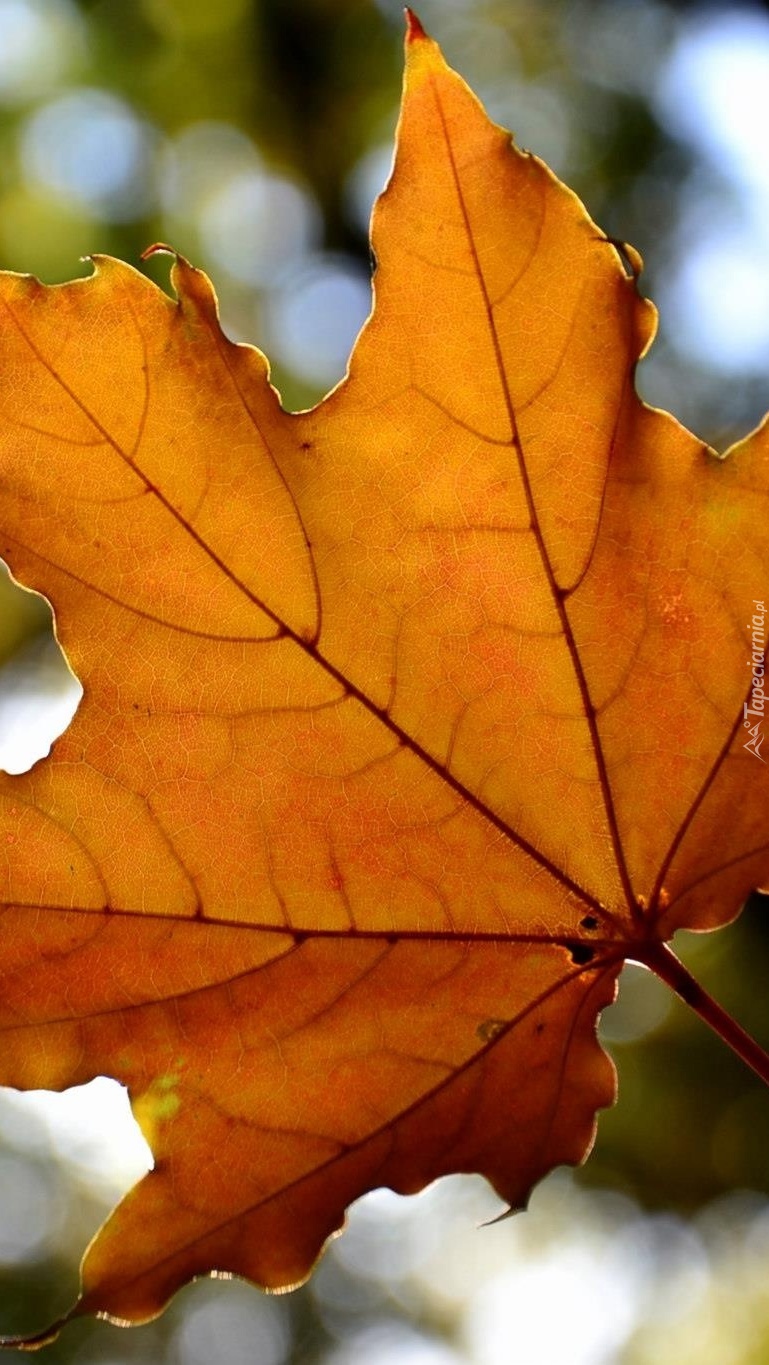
(349, 809)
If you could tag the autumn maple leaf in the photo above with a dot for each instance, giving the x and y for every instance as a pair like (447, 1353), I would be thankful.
(406, 721)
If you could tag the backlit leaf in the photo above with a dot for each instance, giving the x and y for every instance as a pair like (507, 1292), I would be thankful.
(405, 720)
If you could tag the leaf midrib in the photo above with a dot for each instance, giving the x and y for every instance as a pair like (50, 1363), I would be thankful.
(558, 594)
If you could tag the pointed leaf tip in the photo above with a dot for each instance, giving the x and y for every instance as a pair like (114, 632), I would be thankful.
(414, 28)
(158, 249)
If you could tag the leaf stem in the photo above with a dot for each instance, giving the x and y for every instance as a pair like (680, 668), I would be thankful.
(661, 960)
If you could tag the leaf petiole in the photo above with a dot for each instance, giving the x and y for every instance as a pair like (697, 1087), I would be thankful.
(661, 960)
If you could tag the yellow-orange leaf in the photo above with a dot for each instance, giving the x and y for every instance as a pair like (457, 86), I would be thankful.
(406, 720)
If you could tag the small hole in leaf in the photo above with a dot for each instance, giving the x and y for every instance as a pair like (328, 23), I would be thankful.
(581, 954)
(589, 922)
(38, 693)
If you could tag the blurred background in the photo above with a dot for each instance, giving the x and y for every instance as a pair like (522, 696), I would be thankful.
(253, 136)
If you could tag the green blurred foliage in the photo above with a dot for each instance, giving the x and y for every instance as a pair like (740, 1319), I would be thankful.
(23, 616)
(311, 86)
(692, 1122)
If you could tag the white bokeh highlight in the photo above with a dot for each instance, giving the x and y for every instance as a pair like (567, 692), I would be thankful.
(40, 42)
(314, 319)
(713, 93)
(90, 147)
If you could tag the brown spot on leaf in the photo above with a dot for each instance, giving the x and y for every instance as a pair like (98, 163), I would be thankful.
(491, 1029)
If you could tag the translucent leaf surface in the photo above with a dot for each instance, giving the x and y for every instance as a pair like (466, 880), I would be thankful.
(406, 720)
